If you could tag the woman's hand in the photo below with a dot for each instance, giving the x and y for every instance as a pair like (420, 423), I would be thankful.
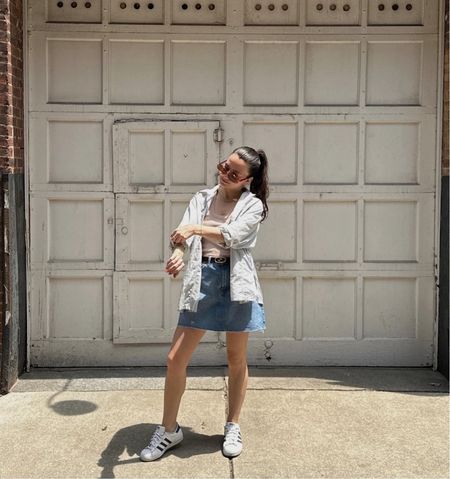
(175, 264)
(180, 235)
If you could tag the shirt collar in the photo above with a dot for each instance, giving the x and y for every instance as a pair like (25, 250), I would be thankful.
(245, 196)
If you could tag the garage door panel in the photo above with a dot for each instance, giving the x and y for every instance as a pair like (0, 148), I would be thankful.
(317, 306)
(414, 14)
(68, 305)
(389, 308)
(331, 152)
(145, 221)
(131, 111)
(71, 152)
(146, 307)
(334, 231)
(63, 139)
(376, 154)
(392, 152)
(66, 231)
(329, 231)
(146, 16)
(189, 157)
(143, 226)
(270, 72)
(305, 74)
(287, 15)
(214, 15)
(140, 232)
(195, 63)
(147, 301)
(139, 308)
(280, 301)
(146, 157)
(398, 307)
(277, 237)
(421, 14)
(275, 137)
(399, 230)
(76, 307)
(164, 156)
(329, 308)
(390, 231)
(68, 62)
(72, 230)
(136, 72)
(316, 14)
(57, 12)
(58, 65)
(332, 73)
(394, 73)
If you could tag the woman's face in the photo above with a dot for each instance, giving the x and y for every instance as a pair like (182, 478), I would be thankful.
(240, 168)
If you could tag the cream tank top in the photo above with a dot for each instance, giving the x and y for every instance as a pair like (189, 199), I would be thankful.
(218, 214)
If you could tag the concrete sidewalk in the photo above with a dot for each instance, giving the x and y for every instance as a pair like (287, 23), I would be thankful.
(296, 422)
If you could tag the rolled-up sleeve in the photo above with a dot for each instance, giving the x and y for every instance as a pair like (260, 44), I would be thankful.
(188, 218)
(242, 232)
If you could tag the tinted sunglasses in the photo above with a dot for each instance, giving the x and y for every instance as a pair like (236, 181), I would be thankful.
(232, 175)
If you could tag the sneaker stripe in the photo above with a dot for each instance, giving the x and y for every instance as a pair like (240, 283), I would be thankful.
(161, 448)
(178, 428)
(168, 441)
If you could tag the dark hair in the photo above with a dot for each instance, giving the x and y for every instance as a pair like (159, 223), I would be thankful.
(257, 161)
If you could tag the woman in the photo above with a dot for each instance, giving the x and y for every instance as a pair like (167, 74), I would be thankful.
(220, 291)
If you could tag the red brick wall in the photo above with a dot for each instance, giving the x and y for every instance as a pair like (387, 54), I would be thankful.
(11, 113)
(11, 86)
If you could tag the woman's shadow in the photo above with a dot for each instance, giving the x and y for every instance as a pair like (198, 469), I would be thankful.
(133, 439)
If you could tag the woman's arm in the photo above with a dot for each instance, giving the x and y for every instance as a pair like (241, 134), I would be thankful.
(241, 233)
(183, 233)
(212, 233)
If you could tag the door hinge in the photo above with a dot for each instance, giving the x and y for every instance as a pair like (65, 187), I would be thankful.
(218, 134)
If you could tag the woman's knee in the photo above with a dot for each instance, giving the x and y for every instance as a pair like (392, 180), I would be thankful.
(175, 362)
(237, 355)
(236, 360)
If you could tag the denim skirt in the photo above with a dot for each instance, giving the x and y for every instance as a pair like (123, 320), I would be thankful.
(216, 311)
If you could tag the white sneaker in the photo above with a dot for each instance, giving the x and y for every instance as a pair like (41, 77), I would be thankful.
(232, 444)
(160, 442)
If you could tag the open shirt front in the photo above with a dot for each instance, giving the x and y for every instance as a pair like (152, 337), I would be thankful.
(239, 233)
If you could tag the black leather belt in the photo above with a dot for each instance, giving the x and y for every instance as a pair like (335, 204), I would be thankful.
(220, 259)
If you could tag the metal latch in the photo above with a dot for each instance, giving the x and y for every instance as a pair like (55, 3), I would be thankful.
(218, 134)
(276, 265)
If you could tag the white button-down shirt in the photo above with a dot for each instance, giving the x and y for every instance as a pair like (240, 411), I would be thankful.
(239, 234)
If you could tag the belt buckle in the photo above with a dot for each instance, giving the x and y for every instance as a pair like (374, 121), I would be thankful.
(220, 260)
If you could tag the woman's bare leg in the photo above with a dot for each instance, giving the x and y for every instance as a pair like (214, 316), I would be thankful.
(184, 342)
(237, 372)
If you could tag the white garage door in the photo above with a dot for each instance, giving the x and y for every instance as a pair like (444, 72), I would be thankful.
(131, 106)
